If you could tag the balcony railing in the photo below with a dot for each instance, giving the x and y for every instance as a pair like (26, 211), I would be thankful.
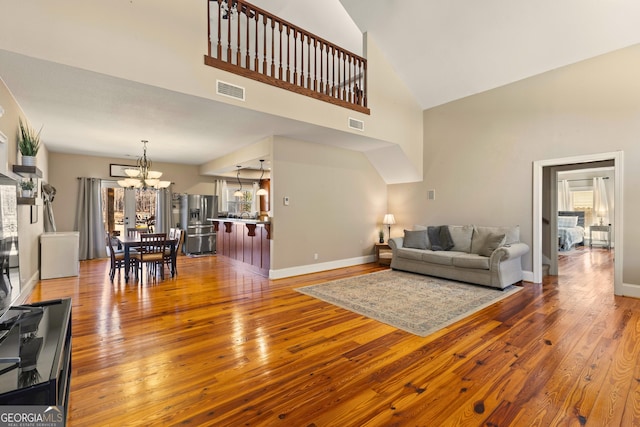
(253, 43)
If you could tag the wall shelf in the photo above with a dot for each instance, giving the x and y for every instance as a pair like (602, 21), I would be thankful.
(27, 171)
(27, 201)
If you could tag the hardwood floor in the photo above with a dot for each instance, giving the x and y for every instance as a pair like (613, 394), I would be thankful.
(220, 346)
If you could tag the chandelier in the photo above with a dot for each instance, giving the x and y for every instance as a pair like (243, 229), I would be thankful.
(142, 176)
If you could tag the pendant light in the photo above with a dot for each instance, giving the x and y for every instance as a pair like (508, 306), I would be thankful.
(261, 191)
(239, 192)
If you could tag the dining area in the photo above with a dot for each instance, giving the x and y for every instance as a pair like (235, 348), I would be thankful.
(142, 253)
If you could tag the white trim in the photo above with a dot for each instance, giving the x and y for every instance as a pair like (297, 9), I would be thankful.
(618, 158)
(527, 276)
(630, 290)
(324, 266)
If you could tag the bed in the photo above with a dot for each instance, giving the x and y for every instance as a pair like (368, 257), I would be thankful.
(570, 229)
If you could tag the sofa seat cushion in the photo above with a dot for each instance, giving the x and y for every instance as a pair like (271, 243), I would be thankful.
(471, 261)
(410, 253)
(440, 257)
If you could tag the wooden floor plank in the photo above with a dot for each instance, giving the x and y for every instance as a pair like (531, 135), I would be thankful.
(218, 345)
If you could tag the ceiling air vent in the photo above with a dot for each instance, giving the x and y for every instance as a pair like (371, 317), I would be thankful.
(356, 124)
(227, 89)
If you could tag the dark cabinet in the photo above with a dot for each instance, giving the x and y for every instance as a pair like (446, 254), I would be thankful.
(35, 354)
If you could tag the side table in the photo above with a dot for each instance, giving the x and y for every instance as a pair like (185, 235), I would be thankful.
(602, 229)
(383, 253)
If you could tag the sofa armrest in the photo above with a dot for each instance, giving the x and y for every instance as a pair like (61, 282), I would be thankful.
(396, 243)
(513, 250)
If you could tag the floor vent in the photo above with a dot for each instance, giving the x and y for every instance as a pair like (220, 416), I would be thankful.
(227, 89)
(356, 124)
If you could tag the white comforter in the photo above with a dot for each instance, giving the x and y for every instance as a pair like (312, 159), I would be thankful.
(569, 236)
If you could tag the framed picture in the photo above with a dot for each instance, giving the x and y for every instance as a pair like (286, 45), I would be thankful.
(118, 170)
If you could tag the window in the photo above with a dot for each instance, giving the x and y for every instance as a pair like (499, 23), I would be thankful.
(114, 207)
(582, 200)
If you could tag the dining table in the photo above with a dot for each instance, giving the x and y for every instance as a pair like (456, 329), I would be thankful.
(128, 242)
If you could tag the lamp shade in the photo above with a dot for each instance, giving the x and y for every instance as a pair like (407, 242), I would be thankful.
(262, 192)
(389, 219)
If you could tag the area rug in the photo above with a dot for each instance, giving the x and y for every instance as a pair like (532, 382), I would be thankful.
(412, 302)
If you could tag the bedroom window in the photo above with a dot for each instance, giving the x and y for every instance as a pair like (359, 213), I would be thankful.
(582, 200)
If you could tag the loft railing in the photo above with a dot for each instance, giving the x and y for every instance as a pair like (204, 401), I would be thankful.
(253, 43)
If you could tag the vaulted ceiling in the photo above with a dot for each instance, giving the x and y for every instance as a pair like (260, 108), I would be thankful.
(443, 51)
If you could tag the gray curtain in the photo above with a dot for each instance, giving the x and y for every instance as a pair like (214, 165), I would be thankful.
(164, 210)
(89, 219)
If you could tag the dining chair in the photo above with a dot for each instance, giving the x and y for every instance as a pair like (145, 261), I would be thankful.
(116, 257)
(151, 253)
(171, 257)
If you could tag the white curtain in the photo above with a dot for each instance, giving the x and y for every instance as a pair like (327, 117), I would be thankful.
(89, 220)
(164, 210)
(255, 203)
(220, 190)
(600, 201)
(564, 196)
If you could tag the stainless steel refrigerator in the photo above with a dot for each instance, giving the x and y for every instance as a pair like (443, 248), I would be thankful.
(195, 214)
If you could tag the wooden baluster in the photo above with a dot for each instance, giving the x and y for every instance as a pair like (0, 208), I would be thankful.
(343, 57)
(308, 62)
(288, 53)
(219, 53)
(229, 36)
(247, 59)
(209, 28)
(351, 79)
(273, 40)
(280, 54)
(321, 66)
(333, 70)
(295, 56)
(301, 82)
(264, 45)
(239, 51)
(364, 85)
(256, 61)
(328, 75)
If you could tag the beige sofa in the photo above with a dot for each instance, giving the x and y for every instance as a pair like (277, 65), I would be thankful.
(489, 256)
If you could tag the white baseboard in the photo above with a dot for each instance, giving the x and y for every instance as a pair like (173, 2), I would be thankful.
(323, 266)
(631, 290)
(527, 276)
(28, 288)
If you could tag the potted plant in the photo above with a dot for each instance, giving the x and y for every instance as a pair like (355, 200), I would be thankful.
(28, 144)
(27, 187)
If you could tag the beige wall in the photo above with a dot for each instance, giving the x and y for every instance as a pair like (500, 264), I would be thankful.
(66, 168)
(336, 204)
(28, 233)
(479, 151)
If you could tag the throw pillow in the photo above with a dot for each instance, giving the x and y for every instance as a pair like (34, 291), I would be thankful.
(567, 221)
(491, 243)
(440, 238)
(416, 239)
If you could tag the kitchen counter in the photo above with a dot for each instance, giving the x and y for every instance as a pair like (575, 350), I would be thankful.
(245, 240)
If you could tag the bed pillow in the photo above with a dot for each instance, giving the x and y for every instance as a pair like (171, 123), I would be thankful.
(491, 243)
(416, 239)
(567, 221)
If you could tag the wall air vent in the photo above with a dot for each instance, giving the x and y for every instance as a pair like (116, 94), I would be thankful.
(227, 89)
(356, 124)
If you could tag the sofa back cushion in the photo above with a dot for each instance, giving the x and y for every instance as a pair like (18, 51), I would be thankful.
(481, 234)
(461, 236)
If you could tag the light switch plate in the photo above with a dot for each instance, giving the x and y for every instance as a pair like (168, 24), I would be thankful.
(285, 200)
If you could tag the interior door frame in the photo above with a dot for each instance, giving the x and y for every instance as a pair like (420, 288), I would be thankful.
(538, 165)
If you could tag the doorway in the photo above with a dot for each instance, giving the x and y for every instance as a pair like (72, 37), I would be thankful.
(540, 182)
(126, 208)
